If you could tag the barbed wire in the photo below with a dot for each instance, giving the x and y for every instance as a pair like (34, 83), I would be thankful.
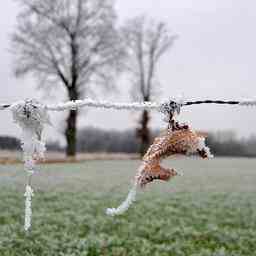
(104, 105)
(31, 116)
(74, 105)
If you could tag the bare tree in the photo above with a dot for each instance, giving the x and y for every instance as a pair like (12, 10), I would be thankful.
(147, 41)
(71, 43)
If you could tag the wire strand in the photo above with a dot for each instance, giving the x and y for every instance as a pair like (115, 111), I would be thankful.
(190, 103)
(4, 106)
(74, 105)
(104, 104)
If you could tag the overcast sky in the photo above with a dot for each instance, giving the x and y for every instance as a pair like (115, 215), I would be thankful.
(214, 57)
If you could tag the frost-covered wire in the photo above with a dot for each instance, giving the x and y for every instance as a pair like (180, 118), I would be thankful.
(31, 116)
(250, 103)
(130, 199)
(73, 105)
(28, 207)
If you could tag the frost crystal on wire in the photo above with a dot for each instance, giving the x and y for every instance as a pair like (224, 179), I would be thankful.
(169, 109)
(28, 209)
(31, 116)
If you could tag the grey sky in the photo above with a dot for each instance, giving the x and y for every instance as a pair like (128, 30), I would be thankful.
(214, 57)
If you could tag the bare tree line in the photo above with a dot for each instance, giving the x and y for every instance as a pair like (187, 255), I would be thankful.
(67, 43)
(147, 41)
(94, 140)
(77, 45)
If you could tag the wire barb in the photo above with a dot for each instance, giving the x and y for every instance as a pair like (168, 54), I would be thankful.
(4, 106)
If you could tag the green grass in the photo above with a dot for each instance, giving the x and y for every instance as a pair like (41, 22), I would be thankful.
(209, 211)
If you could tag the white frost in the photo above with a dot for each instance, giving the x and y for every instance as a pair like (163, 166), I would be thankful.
(28, 209)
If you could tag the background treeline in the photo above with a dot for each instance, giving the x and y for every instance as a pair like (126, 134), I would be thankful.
(93, 140)
(9, 143)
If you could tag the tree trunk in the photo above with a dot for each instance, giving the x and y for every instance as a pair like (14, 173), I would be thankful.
(143, 133)
(70, 133)
(71, 128)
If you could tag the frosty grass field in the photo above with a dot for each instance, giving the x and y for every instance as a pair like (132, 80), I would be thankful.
(209, 211)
